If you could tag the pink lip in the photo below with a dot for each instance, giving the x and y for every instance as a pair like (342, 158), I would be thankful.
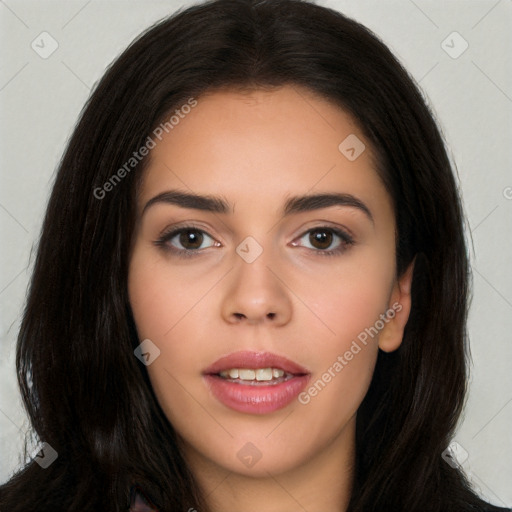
(247, 359)
(255, 399)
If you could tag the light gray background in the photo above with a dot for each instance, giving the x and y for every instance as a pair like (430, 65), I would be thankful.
(472, 96)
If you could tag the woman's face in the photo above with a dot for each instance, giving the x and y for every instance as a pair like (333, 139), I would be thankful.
(289, 298)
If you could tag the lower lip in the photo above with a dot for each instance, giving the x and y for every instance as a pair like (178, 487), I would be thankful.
(256, 399)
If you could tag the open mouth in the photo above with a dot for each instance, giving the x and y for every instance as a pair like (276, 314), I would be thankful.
(240, 384)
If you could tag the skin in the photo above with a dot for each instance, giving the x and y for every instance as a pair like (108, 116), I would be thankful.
(255, 150)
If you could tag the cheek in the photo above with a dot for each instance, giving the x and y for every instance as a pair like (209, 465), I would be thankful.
(168, 304)
(160, 294)
(349, 304)
(349, 299)
(334, 394)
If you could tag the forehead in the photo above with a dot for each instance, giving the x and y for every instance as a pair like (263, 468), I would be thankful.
(259, 146)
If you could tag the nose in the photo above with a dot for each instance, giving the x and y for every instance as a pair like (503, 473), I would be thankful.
(256, 294)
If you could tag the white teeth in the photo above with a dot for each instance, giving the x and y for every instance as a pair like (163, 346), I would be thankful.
(258, 374)
(264, 374)
(246, 374)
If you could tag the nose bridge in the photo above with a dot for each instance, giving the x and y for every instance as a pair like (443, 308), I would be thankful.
(255, 294)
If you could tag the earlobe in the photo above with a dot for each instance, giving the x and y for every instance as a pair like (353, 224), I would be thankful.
(398, 312)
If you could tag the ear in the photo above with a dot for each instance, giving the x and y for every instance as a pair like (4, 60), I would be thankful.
(399, 308)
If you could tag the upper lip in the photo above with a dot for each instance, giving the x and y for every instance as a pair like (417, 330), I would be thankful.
(254, 360)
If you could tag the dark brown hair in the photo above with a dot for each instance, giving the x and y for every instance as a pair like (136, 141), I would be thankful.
(85, 392)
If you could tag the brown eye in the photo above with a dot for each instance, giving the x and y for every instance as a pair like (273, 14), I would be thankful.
(326, 241)
(320, 238)
(191, 239)
(186, 241)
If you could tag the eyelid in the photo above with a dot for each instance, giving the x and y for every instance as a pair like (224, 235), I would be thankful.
(184, 226)
(319, 224)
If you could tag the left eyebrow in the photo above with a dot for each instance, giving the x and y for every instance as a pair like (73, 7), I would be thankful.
(293, 205)
(308, 203)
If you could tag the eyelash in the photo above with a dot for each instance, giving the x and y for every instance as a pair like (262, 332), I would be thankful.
(162, 242)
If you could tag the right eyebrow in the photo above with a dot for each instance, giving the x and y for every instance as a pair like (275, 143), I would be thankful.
(187, 200)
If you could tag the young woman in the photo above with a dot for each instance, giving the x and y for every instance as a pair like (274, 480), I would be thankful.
(250, 291)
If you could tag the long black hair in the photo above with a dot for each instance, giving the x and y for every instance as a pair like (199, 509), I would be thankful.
(86, 394)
